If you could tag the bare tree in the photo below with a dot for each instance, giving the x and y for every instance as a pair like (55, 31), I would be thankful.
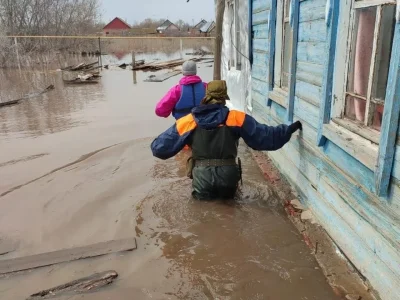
(48, 17)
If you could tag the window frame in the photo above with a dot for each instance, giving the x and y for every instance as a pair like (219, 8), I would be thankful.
(345, 44)
(277, 93)
(284, 96)
(234, 36)
(355, 140)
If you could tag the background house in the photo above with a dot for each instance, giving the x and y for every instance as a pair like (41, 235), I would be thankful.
(116, 27)
(168, 28)
(195, 30)
(345, 165)
(207, 29)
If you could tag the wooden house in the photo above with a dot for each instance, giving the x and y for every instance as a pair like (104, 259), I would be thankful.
(195, 30)
(168, 28)
(334, 65)
(200, 24)
(208, 29)
(116, 27)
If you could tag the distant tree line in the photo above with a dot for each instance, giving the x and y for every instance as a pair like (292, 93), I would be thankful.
(45, 17)
(49, 17)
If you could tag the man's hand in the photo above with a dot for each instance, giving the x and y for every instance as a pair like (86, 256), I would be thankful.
(295, 126)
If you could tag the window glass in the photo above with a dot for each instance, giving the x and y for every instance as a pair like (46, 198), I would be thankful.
(370, 52)
(287, 50)
(360, 63)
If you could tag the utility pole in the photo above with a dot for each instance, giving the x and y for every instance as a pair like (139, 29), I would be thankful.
(220, 8)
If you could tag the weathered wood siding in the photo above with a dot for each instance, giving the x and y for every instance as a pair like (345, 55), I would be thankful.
(338, 188)
(260, 68)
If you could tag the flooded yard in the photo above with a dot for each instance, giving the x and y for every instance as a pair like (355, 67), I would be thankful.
(76, 169)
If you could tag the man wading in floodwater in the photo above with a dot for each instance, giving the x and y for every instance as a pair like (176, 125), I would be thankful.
(213, 133)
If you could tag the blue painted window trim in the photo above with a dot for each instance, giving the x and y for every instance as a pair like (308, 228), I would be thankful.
(390, 120)
(332, 18)
(272, 37)
(294, 22)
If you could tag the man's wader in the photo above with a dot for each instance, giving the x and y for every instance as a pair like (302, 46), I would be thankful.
(215, 171)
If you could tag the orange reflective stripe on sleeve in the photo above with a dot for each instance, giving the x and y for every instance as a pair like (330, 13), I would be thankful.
(185, 124)
(235, 118)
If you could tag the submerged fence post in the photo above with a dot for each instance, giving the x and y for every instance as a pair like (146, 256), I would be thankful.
(101, 60)
(133, 66)
(181, 47)
(17, 52)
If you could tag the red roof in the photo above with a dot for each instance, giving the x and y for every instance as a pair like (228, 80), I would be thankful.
(117, 23)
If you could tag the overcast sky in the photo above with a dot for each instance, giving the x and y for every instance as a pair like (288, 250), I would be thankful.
(138, 10)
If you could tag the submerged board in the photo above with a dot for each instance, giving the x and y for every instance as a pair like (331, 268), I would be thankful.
(65, 255)
(162, 77)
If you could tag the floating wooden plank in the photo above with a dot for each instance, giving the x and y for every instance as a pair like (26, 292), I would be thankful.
(9, 103)
(155, 66)
(16, 101)
(79, 81)
(162, 77)
(200, 52)
(80, 67)
(90, 283)
(65, 255)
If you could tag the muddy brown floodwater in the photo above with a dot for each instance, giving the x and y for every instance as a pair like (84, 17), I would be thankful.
(76, 169)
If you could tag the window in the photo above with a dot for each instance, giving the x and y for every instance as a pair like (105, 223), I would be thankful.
(283, 46)
(366, 41)
(367, 47)
(235, 58)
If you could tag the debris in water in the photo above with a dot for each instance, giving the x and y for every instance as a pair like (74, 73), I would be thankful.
(27, 96)
(297, 204)
(136, 64)
(85, 78)
(161, 78)
(90, 283)
(200, 52)
(307, 215)
(60, 256)
(155, 66)
(87, 73)
(82, 67)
